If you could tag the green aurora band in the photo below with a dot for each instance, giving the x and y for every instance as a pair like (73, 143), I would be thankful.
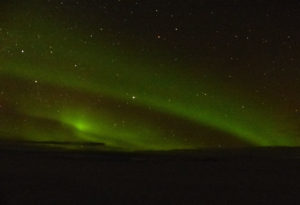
(57, 87)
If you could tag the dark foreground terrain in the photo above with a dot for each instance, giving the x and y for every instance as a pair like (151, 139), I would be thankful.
(248, 176)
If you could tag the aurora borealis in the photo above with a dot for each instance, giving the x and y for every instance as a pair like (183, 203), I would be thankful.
(150, 75)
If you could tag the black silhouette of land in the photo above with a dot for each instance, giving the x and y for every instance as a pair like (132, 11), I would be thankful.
(42, 174)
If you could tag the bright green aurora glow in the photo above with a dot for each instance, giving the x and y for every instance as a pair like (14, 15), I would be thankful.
(60, 85)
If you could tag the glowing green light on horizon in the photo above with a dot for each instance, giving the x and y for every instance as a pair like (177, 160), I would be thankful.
(81, 126)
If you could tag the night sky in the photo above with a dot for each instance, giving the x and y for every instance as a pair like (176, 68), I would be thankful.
(152, 74)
